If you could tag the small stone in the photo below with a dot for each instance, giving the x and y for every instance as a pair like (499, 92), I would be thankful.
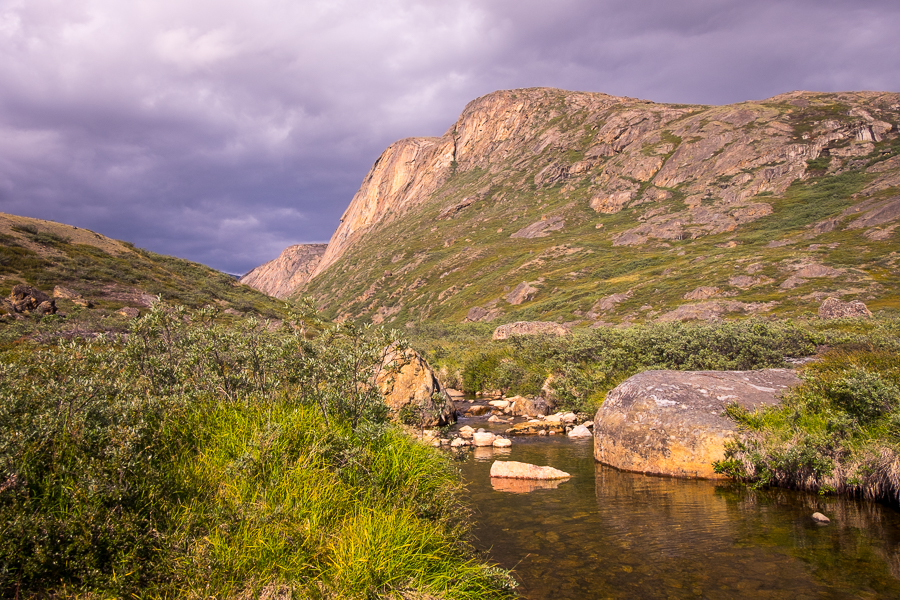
(820, 518)
(129, 312)
(502, 443)
(459, 443)
(466, 432)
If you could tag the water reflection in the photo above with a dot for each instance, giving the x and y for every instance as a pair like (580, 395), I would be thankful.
(609, 534)
(524, 486)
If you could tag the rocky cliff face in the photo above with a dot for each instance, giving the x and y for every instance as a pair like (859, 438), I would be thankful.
(287, 273)
(551, 183)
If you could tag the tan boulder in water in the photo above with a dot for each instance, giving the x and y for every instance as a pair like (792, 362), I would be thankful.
(672, 422)
(518, 470)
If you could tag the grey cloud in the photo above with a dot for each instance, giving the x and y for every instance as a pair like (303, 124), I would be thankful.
(224, 130)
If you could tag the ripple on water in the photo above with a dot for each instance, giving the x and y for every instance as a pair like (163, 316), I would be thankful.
(608, 534)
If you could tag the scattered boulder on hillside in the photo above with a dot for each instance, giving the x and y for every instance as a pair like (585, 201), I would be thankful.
(415, 389)
(832, 308)
(518, 470)
(541, 228)
(479, 314)
(129, 312)
(702, 293)
(30, 300)
(672, 423)
(67, 294)
(529, 328)
(713, 310)
(521, 293)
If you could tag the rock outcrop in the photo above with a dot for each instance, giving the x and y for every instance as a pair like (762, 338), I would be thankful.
(413, 391)
(672, 422)
(530, 328)
(30, 300)
(832, 308)
(287, 273)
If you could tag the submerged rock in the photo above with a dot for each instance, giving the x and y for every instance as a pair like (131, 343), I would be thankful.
(519, 470)
(820, 518)
(672, 422)
(535, 427)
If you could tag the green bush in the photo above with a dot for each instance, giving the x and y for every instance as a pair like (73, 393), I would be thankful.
(837, 432)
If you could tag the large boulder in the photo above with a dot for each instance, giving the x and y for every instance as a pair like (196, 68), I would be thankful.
(528, 407)
(673, 423)
(413, 392)
(530, 328)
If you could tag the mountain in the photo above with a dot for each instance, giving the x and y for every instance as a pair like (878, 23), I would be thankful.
(84, 266)
(543, 204)
(287, 273)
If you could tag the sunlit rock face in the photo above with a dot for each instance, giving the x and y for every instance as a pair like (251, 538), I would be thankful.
(284, 275)
(672, 422)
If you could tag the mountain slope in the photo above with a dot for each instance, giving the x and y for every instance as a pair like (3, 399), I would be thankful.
(571, 206)
(112, 274)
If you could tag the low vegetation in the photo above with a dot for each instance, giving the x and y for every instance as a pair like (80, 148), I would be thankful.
(578, 370)
(197, 458)
(838, 432)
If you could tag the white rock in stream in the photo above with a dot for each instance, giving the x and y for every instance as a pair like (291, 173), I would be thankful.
(580, 431)
(483, 438)
(459, 442)
(502, 443)
(466, 432)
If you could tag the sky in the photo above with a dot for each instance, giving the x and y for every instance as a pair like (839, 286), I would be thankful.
(223, 131)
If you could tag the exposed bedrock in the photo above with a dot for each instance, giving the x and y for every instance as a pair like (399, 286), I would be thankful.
(672, 422)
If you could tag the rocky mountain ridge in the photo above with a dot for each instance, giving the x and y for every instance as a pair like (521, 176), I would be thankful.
(587, 199)
(287, 273)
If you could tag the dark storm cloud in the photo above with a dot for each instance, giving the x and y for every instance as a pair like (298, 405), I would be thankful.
(223, 130)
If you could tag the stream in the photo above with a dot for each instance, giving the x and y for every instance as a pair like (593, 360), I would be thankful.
(610, 534)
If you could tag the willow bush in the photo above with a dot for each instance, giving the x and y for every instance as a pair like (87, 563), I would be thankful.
(198, 457)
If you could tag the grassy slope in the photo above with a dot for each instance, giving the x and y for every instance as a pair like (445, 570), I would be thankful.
(110, 273)
(440, 269)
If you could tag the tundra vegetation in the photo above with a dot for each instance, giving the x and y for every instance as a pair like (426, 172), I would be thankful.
(201, 456)
(838, 432)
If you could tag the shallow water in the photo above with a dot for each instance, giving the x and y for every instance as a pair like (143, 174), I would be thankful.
(609, 534)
